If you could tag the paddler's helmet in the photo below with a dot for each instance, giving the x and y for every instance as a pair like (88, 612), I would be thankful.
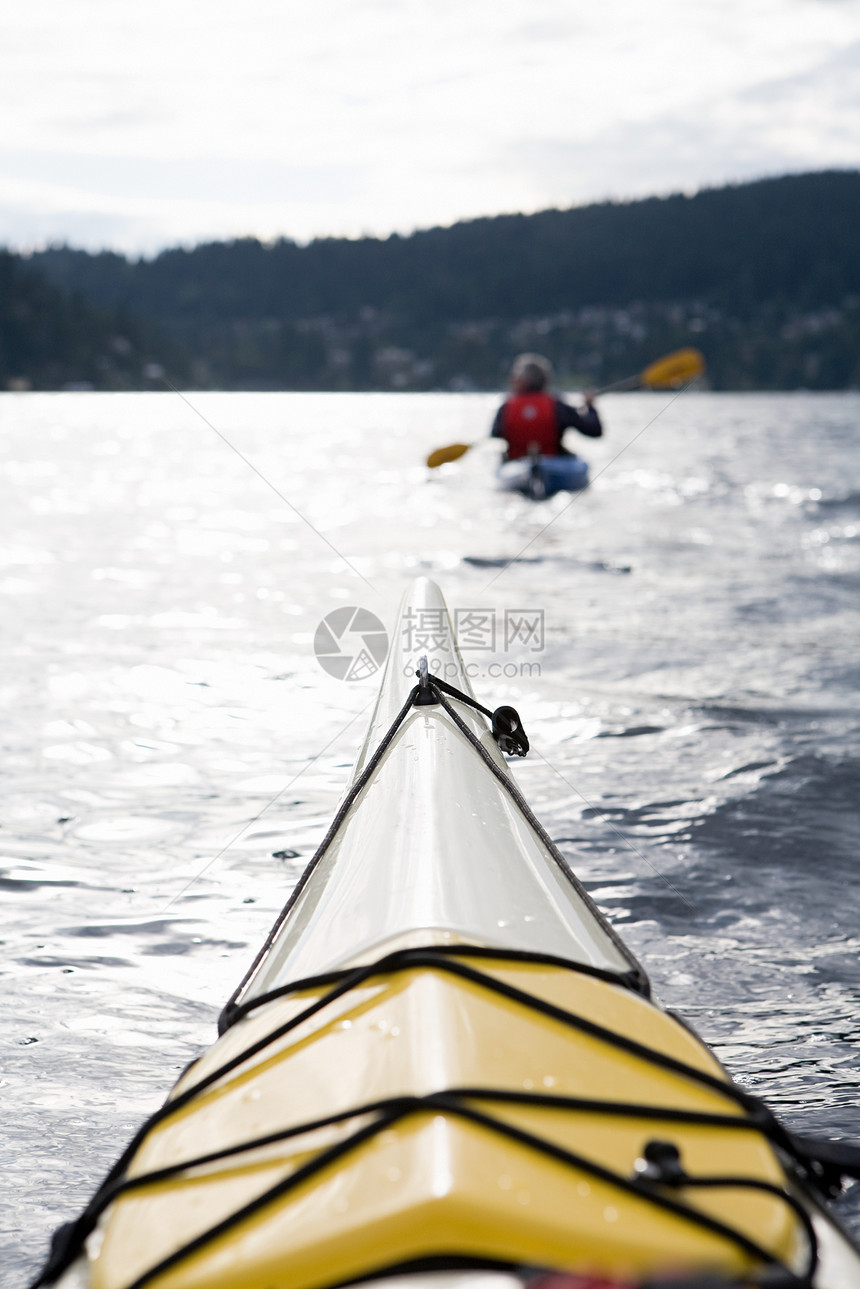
(531, 373)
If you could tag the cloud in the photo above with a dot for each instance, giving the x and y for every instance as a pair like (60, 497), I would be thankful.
(380, 115)
(806, 121)
(209, 179)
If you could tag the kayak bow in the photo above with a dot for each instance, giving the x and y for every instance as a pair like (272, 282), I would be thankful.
(444, 1061)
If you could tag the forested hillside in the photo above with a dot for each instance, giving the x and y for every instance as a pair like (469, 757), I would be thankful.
(764, 277)
(54, 339)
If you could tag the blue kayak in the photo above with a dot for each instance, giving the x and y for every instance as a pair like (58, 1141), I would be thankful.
(540, 477)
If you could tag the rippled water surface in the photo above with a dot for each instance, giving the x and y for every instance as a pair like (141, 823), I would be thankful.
(172, 751)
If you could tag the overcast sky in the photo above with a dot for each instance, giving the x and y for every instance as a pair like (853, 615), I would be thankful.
(138, 126)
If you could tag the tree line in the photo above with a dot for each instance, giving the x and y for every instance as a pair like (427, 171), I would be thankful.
(53, 338)
(763, 276)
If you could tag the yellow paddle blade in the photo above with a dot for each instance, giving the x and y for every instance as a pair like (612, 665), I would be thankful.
(453, 452)
(675, 369)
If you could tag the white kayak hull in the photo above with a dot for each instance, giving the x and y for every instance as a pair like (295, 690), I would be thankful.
(430, 804)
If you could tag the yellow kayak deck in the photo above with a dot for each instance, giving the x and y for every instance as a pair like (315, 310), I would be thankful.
(446, 1106)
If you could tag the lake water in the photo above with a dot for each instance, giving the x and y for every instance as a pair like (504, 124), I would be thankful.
(689, 686)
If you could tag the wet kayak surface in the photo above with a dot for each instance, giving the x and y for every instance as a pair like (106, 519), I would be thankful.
(679, 639)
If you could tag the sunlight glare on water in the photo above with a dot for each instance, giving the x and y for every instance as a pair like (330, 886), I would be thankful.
(173, 751)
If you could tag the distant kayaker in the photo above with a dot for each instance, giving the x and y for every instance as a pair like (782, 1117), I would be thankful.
(532, 417)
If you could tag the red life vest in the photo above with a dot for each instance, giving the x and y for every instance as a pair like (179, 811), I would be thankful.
(528, 419)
